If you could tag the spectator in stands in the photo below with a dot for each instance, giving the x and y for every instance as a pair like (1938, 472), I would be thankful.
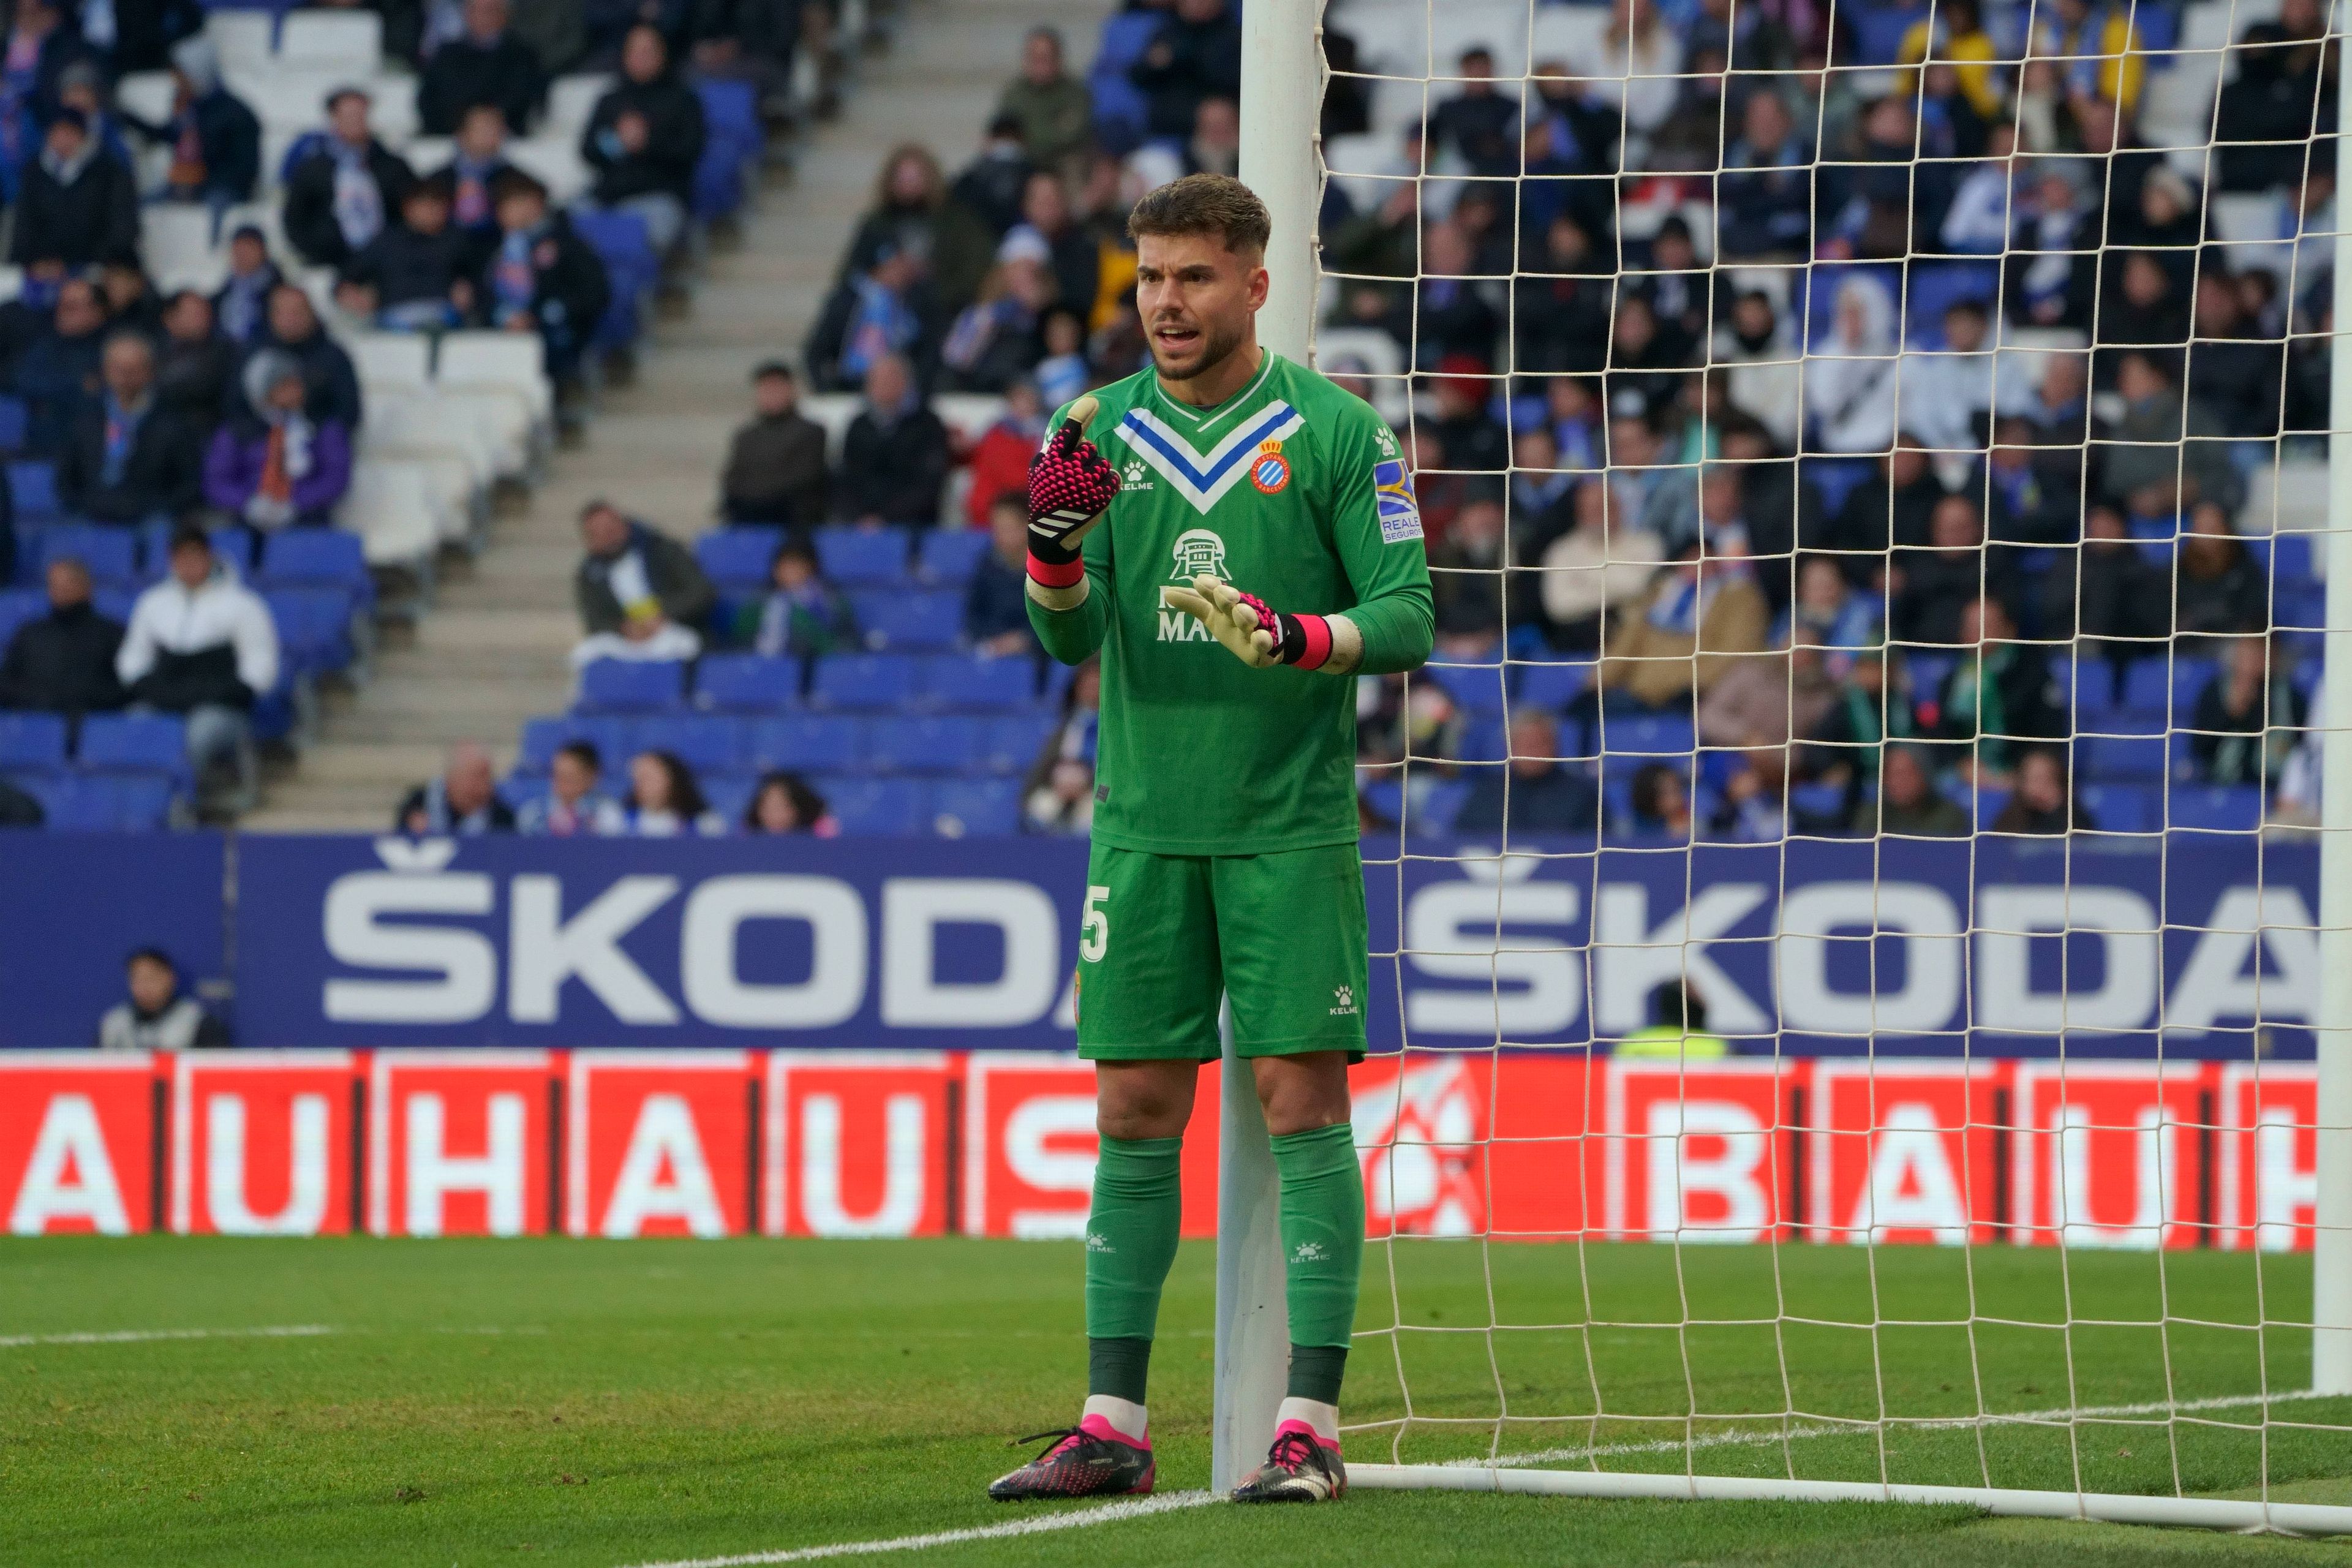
(1052, 108)
(1930, 590)
(2000, 693)
(462, 802)
(666, 800)
(202, 643)
(913, 216)
(573, 807)
(415, 275)
(1562, 303)
(1534, 791)
(129, 459)
(41, 43)
(540, 276)
(1479, 124)
(1064, 372)
(2043, 801)
(1468, 579)
(131, 302)
(999, 463)
(193, 367)
(476, 162)
(2107, 593)
(802, 615)
(894, 460)
(1048, 228)
(1696, 619)
(344, 184)
(2222, 592)
(750, 41)
(157, 1015)
(1599, 565)
(2098, 51)
(783, 803)
(2283, 75)
(1842, 745)
(1752, 806)
(1635, 67)
(2147, 467)
(1947, 394)
(1196, 54)
(645, 138)
(1215, 147)
(990, 186)
(488, 63)
(641, 594)
(271, 464)
(56, 375)
(63, 662)
(887, 309)
(214, 137)
(996, 601)
(2050, 277)
(2232, 369)
(1064, 801)
(293, 328)
(76, 206)
(775, 466)
(996, 339)
(1659, 800)
(2142, 304)
(83, 89)
(1765, 206)
(1908, 805)
(2248, 717)
(1850, 390)
(242, 303)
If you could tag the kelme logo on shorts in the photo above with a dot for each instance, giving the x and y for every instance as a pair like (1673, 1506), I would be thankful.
(1343, 1000)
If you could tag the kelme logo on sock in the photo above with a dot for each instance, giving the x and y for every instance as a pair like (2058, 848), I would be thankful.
(1308, 1252)
(1097, 1242)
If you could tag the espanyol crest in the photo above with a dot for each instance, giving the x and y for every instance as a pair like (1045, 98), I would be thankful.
(1199, 552)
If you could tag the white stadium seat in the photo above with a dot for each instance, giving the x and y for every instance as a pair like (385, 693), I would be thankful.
(391, 362)
(175, 239)
(509, 361)
(1382, 359)
(392, 109)
(147, 94)
(348, 41)
(555, 162)
(392, 508)
(430, 154)
(243, 39)
(834, 410)
(572, 100)
(2291, 499)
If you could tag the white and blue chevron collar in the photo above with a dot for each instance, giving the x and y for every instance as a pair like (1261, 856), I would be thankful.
(1204, 478)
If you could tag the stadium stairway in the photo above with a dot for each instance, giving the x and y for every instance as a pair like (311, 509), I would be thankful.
(493, 652)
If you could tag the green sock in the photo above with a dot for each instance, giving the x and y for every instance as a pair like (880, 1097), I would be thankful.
(1131, 1243)
(1323, 1252)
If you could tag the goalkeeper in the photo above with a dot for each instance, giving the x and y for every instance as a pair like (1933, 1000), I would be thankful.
(1237, 537)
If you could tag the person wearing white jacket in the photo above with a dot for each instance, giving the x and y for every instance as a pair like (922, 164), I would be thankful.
(201, 643)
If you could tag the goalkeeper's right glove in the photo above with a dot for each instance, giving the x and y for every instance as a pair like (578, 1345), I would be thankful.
(1070, 487)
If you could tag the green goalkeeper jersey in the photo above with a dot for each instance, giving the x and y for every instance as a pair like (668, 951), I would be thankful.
(1291, 489)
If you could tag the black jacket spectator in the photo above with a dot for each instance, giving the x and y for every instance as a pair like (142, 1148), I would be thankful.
(81, 210)
(567, 286)
(63, 662)
(1197, 54)
(2107, 593)
(161, 474)
(775, 471)
(893, 469)
(57, 372)
(2247, 719)
(1891, 507)
(1483, 125)
(890, 308)
(1550, 799)
(673, 146)
(2006, 695)
(503, 71)
(311, 227)
(404, 264)
(2281, 71)
(213, 137)
(671, 571)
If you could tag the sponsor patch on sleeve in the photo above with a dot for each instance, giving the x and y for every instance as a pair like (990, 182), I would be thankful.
(1399, 512)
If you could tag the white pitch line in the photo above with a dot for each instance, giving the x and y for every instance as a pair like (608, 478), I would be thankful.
(141, 1336)
(1037, 1524)
(1928, 1424)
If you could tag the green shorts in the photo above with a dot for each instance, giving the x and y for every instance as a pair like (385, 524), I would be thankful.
(1166, 936)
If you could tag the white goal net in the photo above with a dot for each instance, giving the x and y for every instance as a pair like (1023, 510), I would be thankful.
(1855, 914)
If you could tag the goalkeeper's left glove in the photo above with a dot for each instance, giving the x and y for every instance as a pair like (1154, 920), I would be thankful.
(1254, 631)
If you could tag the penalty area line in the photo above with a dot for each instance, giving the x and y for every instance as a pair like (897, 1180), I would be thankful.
(1037, 1524)
(142, 1336)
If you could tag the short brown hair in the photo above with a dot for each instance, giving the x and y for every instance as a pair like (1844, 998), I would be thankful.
(1205, 203)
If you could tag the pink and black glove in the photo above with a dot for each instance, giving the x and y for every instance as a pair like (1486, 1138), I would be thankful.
(1070, 486)
(1251, 630)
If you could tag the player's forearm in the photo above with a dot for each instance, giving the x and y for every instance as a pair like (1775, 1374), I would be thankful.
(1397, 628)
(1070, 621)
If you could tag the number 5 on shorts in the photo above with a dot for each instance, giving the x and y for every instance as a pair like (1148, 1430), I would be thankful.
(1094, 926)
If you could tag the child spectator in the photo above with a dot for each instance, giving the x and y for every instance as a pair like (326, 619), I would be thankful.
(156, 1015)
(1660, 802)
(344, 184)
(272, 465)
(475, 165)
(775, 467)
(804, 616)
(2248, 718)
(464, 801)
(996, 602)
(573, 807)
(785, 804)
(665, 801)
(542, 277)
(1063, 374)
(414, 277)
(242, 303)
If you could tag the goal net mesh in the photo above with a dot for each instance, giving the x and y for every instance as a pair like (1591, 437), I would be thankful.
(1847, 881)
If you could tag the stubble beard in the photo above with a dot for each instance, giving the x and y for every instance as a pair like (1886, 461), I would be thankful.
(1217, 345)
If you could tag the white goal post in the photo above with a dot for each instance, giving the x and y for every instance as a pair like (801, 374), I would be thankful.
(1284, 159)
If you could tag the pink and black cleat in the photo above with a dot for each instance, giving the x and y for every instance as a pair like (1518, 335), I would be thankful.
(1300, 1467)
(1090, 1459)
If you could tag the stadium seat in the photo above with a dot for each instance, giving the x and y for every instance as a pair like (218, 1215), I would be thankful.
(747, 683)
(1439, 804)
(978, 683)
(505, 365)
(232, 543)
(950, 555)
(876, 808)
(810, 743)
(33, 487)
(572, 100)
(1478, 689)
(738, 559)
(392, 510)
(1012, 746)
(314, 628)
(349, 42)
(2216, 808)
(631, 685)
(1553, 686)
(135, 803)
(392, 362)
(976, 808)
(2108, 759)
(244, 39)
(32, 743)
(863, 682)
(707, 742)
(909, 621)
(18, 606)
(863, 558)
(1620, 734)
(176, 240)
(2165, 687)
(133, 743)
(2122, 807)
(899, 745)
(317, 557)
(555, 162)
(110, 554)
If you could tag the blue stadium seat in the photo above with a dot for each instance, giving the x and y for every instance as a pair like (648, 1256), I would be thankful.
(319, 557)
(613, 739)
(2122, 807)
(33, 487)
(18, 606)
(738, 559)
(2165, 687)
(978, 683)
(1437, 804)
(540, 740)
(133, 743)
(32, 743)
(909, 621)
(1484, 740)
(110, 554)
(2113, 759)
(1478, 689)
(234, 545)
(730, 797)
(707, 742)
(2223, 808)
(631, 685)
(1010, 745)
(863, 681)
(864, 558)
(876, 807)
(808, 743)
(976, 808)
(2300, 606)
(314, 626)
(1553, 686)
(12, 417)
(897, 745)
(1658, 734)
(2291, 557)
(747, 683)
(950, 556)
(1989, 804)
(140, 803)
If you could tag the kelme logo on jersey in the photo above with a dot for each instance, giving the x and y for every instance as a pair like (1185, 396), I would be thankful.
(1400, 509)
(1132, 477)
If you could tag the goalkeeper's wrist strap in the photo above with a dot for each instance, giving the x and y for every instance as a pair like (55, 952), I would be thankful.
(1305, 642)
(1057, 573)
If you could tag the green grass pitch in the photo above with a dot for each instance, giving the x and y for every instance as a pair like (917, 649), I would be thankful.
(608, 1404)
